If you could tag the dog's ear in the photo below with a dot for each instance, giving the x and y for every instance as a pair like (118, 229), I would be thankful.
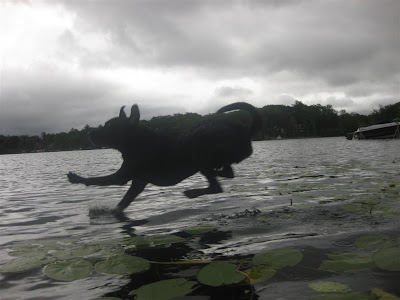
(122, 113)
(135, 114)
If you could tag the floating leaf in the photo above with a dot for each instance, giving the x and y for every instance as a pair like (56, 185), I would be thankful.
(164, 289)
(76, 251)
(376, 242)
(24, 264)
(200, 229)
(48, 243)
(108, 250)
(122, 265)
(153, 241)
(368, 201)
(329, 287)
(37, 247)
(377, 210)
(260, 274)
(343, 296)
(278, 258)
(107, 298)
(382, 295)
(69, 270)
(388, 259)
(347, 262)
(32, 252)
(220, 273)
(263, 219)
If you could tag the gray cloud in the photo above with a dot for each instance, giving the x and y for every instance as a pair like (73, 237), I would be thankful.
(198, 53)
(233, 92)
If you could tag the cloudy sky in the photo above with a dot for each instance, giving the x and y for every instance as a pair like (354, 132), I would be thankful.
(69, 63)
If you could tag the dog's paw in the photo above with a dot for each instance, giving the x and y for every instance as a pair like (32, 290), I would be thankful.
(192, 193)
(74, 178)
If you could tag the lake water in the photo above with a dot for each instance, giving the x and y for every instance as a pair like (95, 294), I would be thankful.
(317, 195)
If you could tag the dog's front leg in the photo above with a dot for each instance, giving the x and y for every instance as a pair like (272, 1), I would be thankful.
(136, 188)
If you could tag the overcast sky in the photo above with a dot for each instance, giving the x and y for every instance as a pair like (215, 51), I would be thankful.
(65, 64)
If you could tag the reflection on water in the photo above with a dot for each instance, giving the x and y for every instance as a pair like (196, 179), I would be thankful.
(299, 187)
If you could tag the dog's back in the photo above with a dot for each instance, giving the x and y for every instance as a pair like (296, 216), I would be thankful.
(223, 141)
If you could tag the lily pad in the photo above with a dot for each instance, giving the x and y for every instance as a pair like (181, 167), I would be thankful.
(48, 243)
(220, 273)
(349, 261)
(368, 201)
(343, 296)
(25, 264)
(76, 251)
(376, 242)
(388, 259)
(107, 298)
(260, 274)
(123, 265)
(278, 258)
(153, 241)
(164, 289)
(69, 270)
(108, 250)
(37, 247)
(382, 295)
(329, 287)
(200, 229)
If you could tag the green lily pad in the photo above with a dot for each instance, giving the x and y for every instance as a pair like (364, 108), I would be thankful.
(382, 295)
(76, 251)
(164, 289)
(260, 274)
(278, 258)
(349, 261)
(220, 273)
(38, 247)
(153, 241)
(376, 210)
(48, 243)
(200, 229)
(343, 296)
(107, 298)
(388, 259)
(108, 250)
(69, 270)
(123, 265)
(368, 201)
(264, 219)
(329, 287)
(376, 242)
(25, 264)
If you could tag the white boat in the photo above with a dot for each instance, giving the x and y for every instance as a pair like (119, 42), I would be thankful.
(377, 131)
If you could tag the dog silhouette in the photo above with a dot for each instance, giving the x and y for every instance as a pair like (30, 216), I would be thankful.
(149, 156)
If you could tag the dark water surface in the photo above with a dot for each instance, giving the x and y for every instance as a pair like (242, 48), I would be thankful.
(327, 181)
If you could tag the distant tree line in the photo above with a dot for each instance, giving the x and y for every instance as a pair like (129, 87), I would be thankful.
(279, 121)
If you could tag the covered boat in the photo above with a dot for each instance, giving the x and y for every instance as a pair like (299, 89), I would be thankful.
(378, 131)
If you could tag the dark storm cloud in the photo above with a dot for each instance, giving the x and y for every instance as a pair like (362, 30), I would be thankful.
(342, 42)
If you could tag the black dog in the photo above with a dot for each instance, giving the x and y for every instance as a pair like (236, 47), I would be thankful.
(152, 157)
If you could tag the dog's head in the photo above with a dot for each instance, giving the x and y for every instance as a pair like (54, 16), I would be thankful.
(116, 130)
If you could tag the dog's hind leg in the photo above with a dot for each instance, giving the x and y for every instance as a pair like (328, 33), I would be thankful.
(213, 188)
(226, 171)
(136, 188)
(118, 178)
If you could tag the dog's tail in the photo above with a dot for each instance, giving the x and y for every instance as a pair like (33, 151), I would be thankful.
(256, 123)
